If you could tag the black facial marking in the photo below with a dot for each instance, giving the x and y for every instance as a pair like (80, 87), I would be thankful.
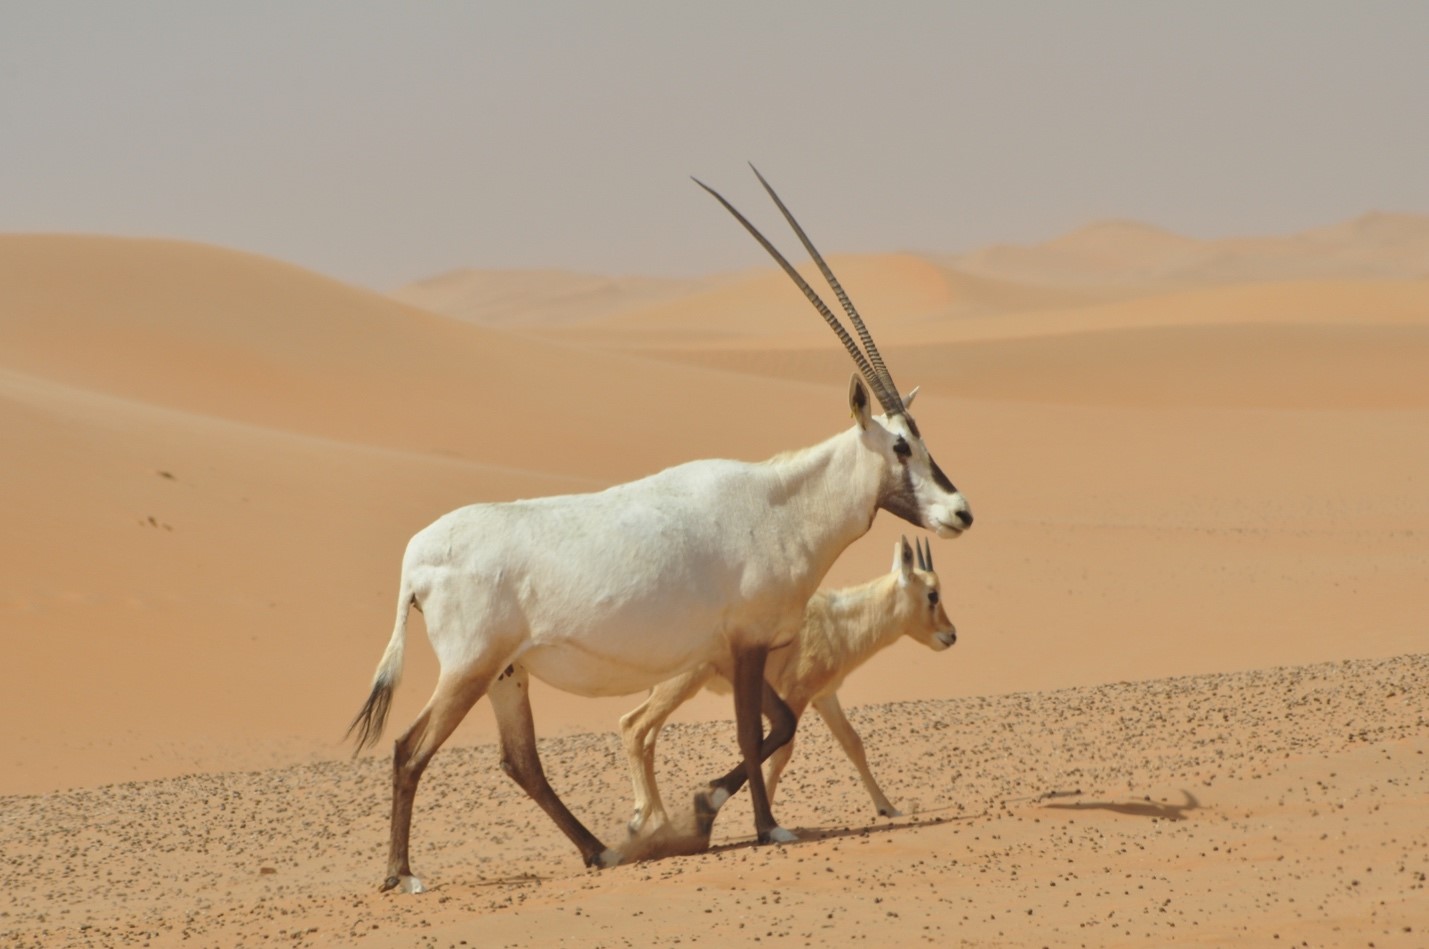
(901, 449)
(940, 479)
(912, 426)
(898, 498)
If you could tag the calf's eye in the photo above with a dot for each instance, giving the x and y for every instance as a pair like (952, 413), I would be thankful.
(932, 597)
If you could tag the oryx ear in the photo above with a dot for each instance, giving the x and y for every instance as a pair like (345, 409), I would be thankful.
(903, 559)
(908, 399)
(858, 401)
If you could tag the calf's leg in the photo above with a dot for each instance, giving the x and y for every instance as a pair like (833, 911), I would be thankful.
(639, 728)
(833, 714)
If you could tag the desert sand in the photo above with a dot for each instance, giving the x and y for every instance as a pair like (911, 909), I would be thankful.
(1187, 705)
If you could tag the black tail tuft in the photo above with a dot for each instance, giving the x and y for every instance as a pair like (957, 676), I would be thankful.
(373, 716)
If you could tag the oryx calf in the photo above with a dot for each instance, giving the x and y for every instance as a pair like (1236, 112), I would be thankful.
(842, 629)
(705, 563)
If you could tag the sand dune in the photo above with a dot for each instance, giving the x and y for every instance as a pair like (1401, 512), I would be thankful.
(1291, 366)
(246, 339)
(225, 505)
(1375, 245)
(212, 462)
(541, 297)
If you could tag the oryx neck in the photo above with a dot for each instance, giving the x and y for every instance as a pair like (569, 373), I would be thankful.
(866, 617)
(833, 487)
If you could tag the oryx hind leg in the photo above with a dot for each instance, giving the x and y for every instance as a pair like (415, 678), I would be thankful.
(453, 697)
(511, 698)
(639, 729)
(753, 698)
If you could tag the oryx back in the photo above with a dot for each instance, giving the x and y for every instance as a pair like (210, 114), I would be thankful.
(612, 592)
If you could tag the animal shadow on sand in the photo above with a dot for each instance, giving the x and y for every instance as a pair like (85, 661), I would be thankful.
(688, 842)
(1143, 808)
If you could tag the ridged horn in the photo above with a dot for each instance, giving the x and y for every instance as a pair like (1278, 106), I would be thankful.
(874, 359)
(880, 383)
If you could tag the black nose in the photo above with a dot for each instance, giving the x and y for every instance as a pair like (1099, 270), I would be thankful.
(966, 517)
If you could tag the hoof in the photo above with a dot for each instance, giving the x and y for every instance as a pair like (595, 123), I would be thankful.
(404, 884)
(706, 811)
(778, 835)
(889, 812)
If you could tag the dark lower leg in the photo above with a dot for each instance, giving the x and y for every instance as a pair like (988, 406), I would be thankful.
(510, 697)
(749, 722)
(405, 775)
(782, 722)
(449, 704)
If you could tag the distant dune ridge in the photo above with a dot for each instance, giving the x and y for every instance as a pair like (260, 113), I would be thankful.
(1186, 458)
(1105, 260)
(1375, 245)
(524, 297)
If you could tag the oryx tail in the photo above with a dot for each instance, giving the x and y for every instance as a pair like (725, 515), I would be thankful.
(372, 717)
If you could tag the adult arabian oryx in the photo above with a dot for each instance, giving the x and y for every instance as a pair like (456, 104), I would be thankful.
(709, 562)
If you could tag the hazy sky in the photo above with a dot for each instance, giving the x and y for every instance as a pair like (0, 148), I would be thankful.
(384, 142)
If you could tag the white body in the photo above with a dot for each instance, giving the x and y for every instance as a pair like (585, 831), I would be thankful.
(614, 592)
(840, 630)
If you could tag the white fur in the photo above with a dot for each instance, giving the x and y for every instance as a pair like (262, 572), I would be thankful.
(707, 563)
(613, 592)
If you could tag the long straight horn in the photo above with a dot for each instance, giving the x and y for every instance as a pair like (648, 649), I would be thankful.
(925, 555)
(874, 358)
(888, 399)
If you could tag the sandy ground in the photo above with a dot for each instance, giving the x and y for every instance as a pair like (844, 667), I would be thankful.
(1285, 805)
(1191, 462)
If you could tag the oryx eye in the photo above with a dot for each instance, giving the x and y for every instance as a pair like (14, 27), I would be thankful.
(932, 597)
(900, 447)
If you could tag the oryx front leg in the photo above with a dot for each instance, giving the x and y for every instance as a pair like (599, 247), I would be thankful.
(775, 764)
(753, 697)
(639, 729)
(511, 699)
(833, 715)
(453, 698)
